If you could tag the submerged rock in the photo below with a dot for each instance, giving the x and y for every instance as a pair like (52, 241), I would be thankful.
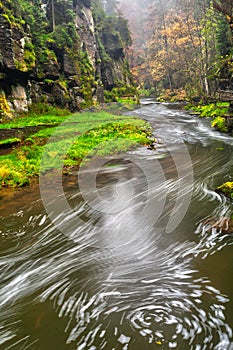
(223, 225)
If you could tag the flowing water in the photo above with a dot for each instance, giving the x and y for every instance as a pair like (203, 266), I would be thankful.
(134, 267)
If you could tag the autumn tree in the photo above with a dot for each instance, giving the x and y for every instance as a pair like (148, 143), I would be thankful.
(181, 44)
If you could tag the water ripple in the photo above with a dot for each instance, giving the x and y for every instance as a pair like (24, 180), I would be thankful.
(131, 287)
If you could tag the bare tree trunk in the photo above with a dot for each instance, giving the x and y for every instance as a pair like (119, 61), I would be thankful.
(53, 15)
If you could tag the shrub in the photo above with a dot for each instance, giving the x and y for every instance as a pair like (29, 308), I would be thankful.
(219, 123)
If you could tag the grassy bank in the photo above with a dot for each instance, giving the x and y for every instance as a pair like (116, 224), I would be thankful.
(66, 139)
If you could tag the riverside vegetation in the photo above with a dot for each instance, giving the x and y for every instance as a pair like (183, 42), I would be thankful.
(222, 118)
(218, 112)
(227, 190)
(100, 133)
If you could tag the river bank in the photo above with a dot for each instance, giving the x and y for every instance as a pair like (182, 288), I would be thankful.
(23, 141)
(220, 114)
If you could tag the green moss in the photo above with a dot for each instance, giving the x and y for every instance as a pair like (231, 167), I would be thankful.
(30, 59)
(211, 110)
(146, 92)
(49, 81)
(29, 141)
(122, 94)
(47, 55)
(5, 110)
(64, 35)
(105, 58)
(219, 123)
(226, 189)
(86, 133)
(9, 177)
(112, 138)
(17, 168)
(7, 17)
(10, 141)
(63, 84)
(39, 114)
(84, 77)
(43, 109)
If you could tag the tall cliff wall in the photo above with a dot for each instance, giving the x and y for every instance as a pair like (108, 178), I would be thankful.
(58, 55)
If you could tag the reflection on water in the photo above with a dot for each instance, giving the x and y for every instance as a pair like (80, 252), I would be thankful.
(117, 281)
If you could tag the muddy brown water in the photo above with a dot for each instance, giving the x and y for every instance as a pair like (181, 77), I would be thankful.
(133, 267)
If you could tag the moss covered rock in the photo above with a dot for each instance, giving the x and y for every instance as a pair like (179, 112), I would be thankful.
(64, 57)
(219, 123)
(226, 189)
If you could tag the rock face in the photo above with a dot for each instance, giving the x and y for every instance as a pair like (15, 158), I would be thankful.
(56, 56)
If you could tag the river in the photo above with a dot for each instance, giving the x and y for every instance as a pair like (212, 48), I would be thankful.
(129, 264)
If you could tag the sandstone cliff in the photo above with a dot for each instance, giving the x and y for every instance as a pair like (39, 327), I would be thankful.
(58, 54)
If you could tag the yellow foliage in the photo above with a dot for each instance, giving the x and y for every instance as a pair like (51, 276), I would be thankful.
(4, 107)
(4, 171)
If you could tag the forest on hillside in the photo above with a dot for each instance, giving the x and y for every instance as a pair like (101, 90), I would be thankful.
(183, 45)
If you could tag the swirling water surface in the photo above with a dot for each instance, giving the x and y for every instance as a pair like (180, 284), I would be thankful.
(121, 279)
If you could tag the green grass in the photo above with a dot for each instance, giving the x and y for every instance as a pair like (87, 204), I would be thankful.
(78, 136)
(21, 122)
(39, 114)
